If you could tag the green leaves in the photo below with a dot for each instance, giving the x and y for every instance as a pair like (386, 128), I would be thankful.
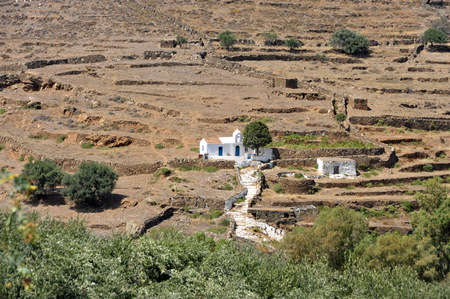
(350, 42)
(43, 174)
(433, 35)
(227, 39)
(92, 182)
(256, 135)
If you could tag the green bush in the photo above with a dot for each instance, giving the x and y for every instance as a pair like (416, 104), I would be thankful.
(87, 145)
(340, 117)
(181, 40)
(227, 39)
(256, 135)
(407, 206)
(293, 43)
(2, 110)
(61, 138)
(159, 146)
(299, 175)
(278, 188)
(218, 230)
(433, 35)
(350, 42)
(93, 182)
(428, 168)
(195, 149)
(43, 174)
(21, 158)
(211, 169)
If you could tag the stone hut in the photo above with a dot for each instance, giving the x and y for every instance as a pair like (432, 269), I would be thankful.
(336, 166)
(285, 83)
(360, 104)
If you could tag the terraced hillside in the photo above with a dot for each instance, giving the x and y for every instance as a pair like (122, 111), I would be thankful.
(75, 75)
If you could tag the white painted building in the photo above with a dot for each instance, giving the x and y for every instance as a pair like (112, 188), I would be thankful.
(231, 148)
(336, 166)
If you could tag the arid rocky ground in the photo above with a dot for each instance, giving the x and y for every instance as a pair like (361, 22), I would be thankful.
(100, 75)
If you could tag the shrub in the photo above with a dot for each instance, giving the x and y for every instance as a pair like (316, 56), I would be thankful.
(321, 57)
(2, 110)
(93, 182)
(350, 42)
(213, 214)
(299, 175)
(293, 43)
(87, 145)
(21, 158)
(211, 169)
(340, 117)
(270, 38)
(278, 188)
(224, 222)
(180, 40)
(407, 206)
(159, 146)
(61, 138)
(428, 167)
(43, 174)
(194, 149)
(433, 35)
(227, 39)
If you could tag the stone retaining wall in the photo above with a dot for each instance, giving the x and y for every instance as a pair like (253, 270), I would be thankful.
(196, 202)
(283, 153)
(421, 123)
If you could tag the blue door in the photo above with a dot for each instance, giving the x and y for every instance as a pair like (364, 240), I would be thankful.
(238, 151)
(220, 151)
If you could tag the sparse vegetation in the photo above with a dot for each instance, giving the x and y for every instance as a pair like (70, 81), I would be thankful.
(2, 110)
(159, 146)
(194, 149)
(227, 39)
(87, 145)
(278, 188)
(270, 38)
(61, 138)
(181, 40)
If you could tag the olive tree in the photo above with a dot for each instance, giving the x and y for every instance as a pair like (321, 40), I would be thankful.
(90, 184)
(227, 39)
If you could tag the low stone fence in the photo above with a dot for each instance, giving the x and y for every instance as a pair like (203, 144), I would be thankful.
(283, 153)
(196, 202)
(221, 164)
(229, 203)
(292, 185)
(420, 123)
(73, 60)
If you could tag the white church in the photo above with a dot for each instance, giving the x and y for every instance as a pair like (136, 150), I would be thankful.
(232, 148)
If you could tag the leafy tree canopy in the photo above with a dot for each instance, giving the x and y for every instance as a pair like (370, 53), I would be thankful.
(43, 174)
(350, 42)
(92, 182)
(256, 135)
(434, 35)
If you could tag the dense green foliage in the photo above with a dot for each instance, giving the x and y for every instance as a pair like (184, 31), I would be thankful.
(433, 35)
(256, 135)
(43, 174)
(181, 40)
(69, 262)
(350, 42)
(293, 43)
(340, 117)
(227, 39)
(91, 183)
(49, 259)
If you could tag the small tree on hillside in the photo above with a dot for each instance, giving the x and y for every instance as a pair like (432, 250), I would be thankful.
(227, 39)
(293, 43)
(42, 174)
(91, 183)
(256, 135)
(433, 35)
(350, 42)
